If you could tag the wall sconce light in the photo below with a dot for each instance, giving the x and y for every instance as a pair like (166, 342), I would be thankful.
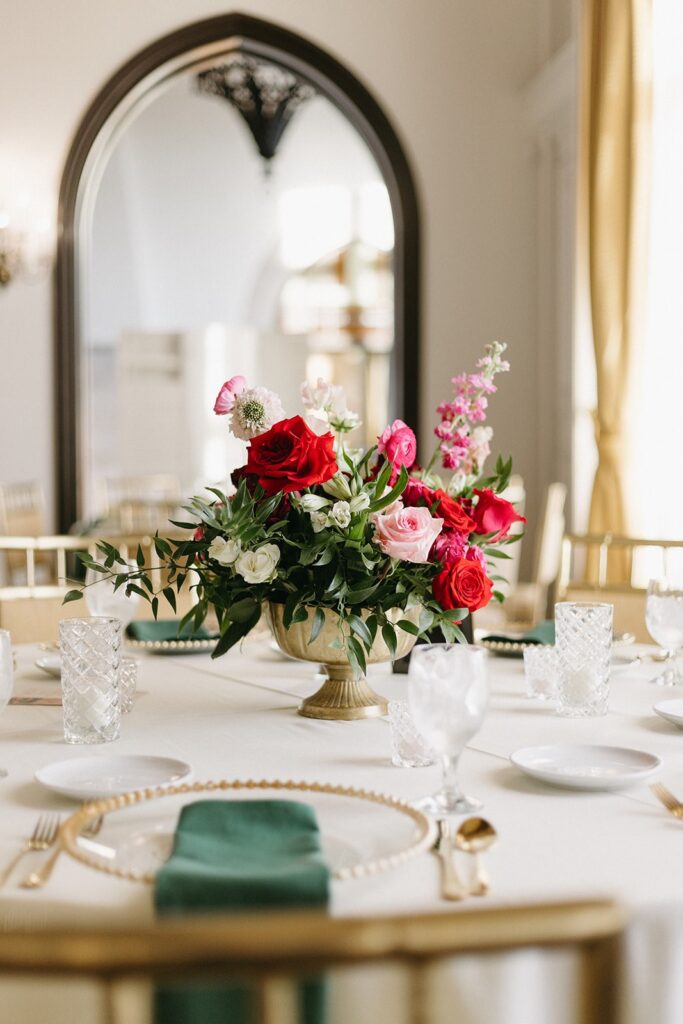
(26, 241)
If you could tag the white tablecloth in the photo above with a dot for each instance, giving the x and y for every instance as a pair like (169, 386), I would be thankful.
(235, 718)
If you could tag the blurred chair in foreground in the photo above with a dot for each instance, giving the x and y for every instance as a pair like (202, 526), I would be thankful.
(408, 965)
(585, 574)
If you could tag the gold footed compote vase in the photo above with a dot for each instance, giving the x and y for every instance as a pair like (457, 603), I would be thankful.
(341, 697)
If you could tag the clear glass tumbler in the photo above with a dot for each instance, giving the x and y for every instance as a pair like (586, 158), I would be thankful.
(91, 655)
(408, 749)
(583, 638)
(664, 621)
(541, 669)
(128, 683)
(448, 694)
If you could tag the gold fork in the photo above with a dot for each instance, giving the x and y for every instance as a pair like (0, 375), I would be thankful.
(39, 878)
(668, 799)
(44, 835)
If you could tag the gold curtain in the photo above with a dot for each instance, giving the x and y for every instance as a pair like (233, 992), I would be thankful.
(614, 125)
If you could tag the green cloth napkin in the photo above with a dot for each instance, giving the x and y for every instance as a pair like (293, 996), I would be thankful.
(165, 629)
(543, 633)
(240, 855)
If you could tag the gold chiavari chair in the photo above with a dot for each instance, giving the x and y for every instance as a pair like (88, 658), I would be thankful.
(270, 953)
(31, 610)
(585, 574)
(22, 514)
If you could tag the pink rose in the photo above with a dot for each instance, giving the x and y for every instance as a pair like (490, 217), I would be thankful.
(475, 554)
(226, 396)
(417, 493)
(398, 443)
(449, 547)
(407, 534)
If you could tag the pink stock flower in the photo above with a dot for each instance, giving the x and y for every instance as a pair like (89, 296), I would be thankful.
(226, 396)
(407, 534)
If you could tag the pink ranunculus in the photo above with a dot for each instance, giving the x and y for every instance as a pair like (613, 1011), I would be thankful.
(417, 493)
(449, 546)
(475, 554)
(226, 396)
(398, 443)
(407, 534)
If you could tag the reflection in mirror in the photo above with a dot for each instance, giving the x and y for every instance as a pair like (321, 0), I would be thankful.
(215, 248)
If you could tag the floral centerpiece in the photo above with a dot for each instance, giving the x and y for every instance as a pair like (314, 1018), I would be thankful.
(353, 552)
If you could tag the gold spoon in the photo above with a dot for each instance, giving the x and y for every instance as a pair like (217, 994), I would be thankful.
(475, 836)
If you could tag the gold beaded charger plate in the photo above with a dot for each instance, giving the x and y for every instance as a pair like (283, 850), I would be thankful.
(362, 832)
(173, 646)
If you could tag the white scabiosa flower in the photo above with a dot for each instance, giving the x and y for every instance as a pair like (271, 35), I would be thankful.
(259, 566)
(224, 550)
(340, 514)
(255, 411)
(313, 502)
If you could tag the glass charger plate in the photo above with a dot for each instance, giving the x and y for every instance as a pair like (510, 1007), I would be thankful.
(362, 832)
(173, 646)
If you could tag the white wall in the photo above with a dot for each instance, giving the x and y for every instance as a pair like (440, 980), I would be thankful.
(450, 74)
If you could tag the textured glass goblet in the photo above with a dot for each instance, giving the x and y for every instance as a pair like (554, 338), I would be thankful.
(448, 693)
(540, 669)
(6, 675)
(664, 621)
(583, 639)
(408, 749)
(91, 698)
(102, 600)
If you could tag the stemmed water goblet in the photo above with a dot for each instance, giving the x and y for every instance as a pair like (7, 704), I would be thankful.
(448, 693)
(664, 621)
(6, 675)
(103, 601)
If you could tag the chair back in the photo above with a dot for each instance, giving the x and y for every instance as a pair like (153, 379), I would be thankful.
(269, 953)
(602, 551)
(31, 609)
(22, 514)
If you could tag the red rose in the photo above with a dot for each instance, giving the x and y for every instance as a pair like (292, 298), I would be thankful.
(464, 584)
(289, 457)
(494, 515)
(452, 512)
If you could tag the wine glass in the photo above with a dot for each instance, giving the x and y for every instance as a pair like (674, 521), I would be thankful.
(105, 602)
(664, 621)
(6, 675)
(448, 693)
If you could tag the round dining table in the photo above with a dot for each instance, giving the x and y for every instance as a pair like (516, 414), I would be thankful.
(235, 718)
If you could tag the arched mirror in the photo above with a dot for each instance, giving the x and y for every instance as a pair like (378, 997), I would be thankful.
(234, 202)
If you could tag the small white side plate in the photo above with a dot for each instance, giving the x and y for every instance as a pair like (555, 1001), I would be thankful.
(50, 663)
(579, 766)
(89, 778)
(672, 710)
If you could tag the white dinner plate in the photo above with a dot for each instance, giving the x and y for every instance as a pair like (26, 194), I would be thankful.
(50, 663)
(672, 710)
(89, 778)
(586, 766)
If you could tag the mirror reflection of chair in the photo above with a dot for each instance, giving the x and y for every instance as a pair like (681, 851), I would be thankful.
(269, 953)
(31, 609)
(592, 570)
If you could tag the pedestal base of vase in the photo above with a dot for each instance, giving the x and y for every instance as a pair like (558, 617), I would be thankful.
(343, 699)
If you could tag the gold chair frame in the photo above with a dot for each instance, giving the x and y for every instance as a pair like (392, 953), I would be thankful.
(269, 952)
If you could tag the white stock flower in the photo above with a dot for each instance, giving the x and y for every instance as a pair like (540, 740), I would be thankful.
(255, 411)
(313, 502)
(340, 514)
(259, 566)
(338, 487)
(360, 502)
(224, 550)
(319, 521)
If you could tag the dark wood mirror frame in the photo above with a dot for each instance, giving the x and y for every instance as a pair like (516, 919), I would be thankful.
(334, 81)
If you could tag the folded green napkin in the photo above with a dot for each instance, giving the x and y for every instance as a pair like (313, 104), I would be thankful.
(543, 633)
(165, 629)
(240, 855)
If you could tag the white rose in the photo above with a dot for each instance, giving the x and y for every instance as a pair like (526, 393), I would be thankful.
(224, 550)
(360, 502)
(340, 514)
(259, 566)
(313, 502)
(319, 521)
